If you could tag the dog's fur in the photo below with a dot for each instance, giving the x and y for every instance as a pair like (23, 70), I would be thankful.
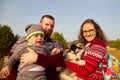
(72, 53)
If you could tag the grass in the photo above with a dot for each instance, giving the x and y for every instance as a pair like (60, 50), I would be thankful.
(1, 64)
(114, 52)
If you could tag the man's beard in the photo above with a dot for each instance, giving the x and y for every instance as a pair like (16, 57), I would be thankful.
(48, 33)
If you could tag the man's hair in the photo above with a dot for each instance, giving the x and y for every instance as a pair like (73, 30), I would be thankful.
(47, 16)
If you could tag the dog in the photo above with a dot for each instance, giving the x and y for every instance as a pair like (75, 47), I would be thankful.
(72, 53)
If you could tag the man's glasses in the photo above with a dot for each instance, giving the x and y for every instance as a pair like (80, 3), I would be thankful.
(91, 31)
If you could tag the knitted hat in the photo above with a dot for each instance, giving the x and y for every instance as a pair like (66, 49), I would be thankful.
(32, 29)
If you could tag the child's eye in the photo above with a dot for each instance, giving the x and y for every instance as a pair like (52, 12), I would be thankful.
(41, 35)
(36, 35)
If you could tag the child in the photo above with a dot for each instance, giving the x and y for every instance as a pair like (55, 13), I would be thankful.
(34, 40)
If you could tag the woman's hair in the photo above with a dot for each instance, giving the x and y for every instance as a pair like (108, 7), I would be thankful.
(99, 33)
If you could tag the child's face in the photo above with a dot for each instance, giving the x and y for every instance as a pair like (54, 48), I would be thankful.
(36, 39)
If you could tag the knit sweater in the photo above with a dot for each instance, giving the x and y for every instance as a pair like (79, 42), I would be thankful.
(94, 54)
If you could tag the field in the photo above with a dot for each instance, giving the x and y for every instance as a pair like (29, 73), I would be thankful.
(114, 52)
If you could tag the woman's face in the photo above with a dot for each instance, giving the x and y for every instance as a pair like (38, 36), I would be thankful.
(89, 32)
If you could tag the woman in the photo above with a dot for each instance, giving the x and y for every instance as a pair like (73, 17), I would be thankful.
(92, 36)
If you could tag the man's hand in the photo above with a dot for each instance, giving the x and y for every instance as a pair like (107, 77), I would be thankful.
(28, 58)
(5, 71)
(55, 51)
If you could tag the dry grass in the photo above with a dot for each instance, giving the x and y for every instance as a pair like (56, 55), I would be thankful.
(114, 52)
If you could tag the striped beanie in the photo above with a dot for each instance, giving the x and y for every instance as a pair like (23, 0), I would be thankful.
(32, 29)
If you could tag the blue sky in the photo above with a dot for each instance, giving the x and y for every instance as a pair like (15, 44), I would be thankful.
(69, 15)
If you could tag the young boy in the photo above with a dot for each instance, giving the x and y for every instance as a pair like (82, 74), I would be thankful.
(34, 40)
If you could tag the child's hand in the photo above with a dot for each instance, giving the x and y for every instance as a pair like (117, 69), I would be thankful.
(55, 51)
(5, 71)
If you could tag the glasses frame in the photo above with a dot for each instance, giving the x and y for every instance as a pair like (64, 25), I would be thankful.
(91, 31)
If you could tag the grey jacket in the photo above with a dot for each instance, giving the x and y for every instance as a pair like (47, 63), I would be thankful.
(22, 48)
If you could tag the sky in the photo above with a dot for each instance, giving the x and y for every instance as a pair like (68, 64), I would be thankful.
(68, 14)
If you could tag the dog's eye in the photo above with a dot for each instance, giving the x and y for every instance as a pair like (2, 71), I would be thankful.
(73, 53)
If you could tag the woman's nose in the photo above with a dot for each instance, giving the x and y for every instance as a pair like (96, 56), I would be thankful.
(88, 33)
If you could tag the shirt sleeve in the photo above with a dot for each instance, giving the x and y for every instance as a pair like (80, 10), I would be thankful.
(16, 54)
(50, 60)
(13, 58)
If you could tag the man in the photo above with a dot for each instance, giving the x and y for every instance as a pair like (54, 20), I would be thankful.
(50, 62)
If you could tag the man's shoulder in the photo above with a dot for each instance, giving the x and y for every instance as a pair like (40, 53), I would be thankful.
(18, 42)
(55, 41)
(21, 40)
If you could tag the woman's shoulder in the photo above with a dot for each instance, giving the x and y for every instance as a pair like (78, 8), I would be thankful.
(99, 42)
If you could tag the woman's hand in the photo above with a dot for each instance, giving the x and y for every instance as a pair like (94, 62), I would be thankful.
(28, 58)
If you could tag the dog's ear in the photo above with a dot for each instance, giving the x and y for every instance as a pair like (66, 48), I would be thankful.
(73, 47)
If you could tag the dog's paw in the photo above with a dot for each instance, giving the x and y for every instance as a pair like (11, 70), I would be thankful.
(81, 62)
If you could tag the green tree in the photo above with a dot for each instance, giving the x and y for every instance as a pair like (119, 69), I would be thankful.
(114, 43)
(117, 43)
(7, 39)
(59, 37)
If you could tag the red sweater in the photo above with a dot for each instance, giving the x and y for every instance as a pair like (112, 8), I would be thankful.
(94, 54)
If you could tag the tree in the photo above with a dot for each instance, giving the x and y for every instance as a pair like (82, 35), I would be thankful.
(59, 37)
(114, 43)
(7, 39)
